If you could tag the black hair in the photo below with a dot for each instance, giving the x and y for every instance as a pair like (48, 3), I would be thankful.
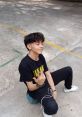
(33, 37)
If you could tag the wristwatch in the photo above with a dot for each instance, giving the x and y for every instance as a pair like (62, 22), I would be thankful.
(52, 91)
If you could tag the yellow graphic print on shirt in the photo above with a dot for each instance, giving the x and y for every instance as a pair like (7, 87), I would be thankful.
(38, 71)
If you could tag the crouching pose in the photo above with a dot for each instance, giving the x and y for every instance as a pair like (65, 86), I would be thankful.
(41, 84)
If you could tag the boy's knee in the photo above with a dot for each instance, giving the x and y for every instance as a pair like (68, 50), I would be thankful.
(69, 69)
(52, 108)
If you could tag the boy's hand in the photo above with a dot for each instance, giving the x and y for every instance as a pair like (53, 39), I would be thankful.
(41, 79)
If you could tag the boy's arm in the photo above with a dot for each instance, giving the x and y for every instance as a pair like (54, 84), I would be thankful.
(51, 83)
(39, 82)
(32, 86)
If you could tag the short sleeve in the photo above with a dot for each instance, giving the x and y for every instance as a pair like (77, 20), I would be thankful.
(25, 74)
(45, 64)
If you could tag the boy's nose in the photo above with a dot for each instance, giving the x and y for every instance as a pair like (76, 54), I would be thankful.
(41, 45)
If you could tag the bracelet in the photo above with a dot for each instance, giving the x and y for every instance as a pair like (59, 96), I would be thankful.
(53, 90)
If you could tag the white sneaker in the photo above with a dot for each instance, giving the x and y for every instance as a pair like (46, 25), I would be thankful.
(73, 88)
(45, 115)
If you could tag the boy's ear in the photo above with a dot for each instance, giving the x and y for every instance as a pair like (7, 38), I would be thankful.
(29, 46)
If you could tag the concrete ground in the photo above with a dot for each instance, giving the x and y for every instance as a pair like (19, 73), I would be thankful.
(61, 23)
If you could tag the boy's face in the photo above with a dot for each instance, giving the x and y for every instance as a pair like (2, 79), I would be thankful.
(36, 47)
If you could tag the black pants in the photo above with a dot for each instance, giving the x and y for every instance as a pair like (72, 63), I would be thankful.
(50, 105)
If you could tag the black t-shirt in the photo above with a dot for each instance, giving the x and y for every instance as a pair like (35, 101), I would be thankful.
(30, 68)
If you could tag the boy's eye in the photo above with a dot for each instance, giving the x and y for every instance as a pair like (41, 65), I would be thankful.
(37, 43)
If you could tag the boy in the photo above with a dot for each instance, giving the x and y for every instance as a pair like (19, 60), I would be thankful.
(39, 81)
